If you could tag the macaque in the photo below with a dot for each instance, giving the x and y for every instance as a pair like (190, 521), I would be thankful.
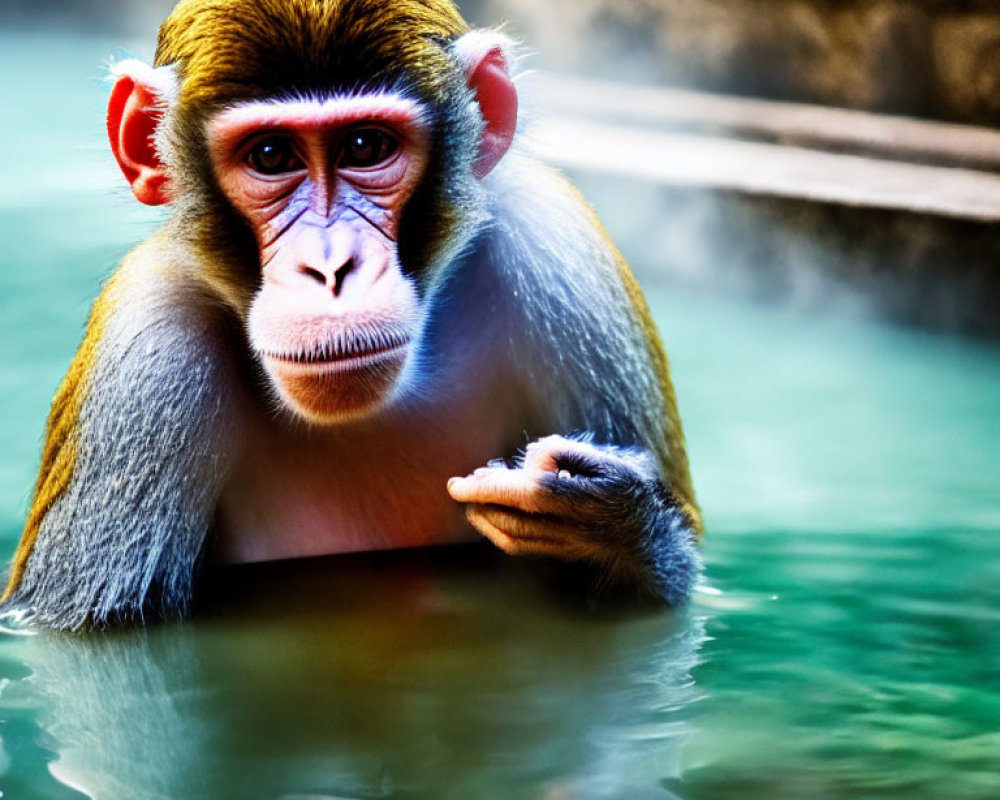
(371, 321)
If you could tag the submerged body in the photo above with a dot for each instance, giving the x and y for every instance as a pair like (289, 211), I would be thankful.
(359, 296)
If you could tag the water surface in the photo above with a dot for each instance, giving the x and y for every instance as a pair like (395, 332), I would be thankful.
(845, 644)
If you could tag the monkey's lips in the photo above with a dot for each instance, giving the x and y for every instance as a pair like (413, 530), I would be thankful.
(338, 381)
(338, 357)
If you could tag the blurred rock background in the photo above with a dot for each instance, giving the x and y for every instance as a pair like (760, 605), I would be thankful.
(938, 59)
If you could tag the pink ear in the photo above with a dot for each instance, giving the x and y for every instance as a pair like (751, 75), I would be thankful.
(497, 99)
(134, 111)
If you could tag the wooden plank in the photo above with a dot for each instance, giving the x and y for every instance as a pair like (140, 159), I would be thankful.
(814, 126)
(765, 169)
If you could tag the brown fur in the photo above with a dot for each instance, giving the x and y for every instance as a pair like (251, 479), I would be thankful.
(260, 47)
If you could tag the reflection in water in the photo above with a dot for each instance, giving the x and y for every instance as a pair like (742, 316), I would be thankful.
(114, 709)
(373, 676)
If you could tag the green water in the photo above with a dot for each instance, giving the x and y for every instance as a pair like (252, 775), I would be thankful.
(846, 643)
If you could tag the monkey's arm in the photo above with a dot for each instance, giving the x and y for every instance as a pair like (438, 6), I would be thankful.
(130, 467)
(578, 501)
(591, 360)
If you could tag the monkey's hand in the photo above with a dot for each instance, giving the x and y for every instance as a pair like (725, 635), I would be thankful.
(578, 501)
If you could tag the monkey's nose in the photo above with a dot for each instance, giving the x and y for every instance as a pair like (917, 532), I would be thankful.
(331, 278)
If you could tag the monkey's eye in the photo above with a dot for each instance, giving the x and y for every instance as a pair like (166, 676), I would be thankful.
(366, 147)
(274, 156)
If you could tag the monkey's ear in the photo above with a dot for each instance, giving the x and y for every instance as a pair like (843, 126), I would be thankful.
(483, 54)
(138, 102)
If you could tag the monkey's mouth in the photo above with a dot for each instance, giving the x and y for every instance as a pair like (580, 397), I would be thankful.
(340, 376)
(343, 356)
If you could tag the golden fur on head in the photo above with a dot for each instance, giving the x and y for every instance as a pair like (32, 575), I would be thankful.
(230, 50)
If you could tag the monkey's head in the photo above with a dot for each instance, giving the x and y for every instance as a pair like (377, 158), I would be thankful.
(324, 157)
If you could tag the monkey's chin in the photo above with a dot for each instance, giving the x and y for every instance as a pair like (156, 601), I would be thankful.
(337, 390)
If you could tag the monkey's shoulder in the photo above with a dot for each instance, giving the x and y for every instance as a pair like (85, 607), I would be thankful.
(549, 243)
(153, 354)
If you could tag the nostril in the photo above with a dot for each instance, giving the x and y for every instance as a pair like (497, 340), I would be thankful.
(338, 277)
(315, 274)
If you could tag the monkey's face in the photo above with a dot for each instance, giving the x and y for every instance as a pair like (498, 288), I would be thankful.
(323, 184)
(394, 106)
